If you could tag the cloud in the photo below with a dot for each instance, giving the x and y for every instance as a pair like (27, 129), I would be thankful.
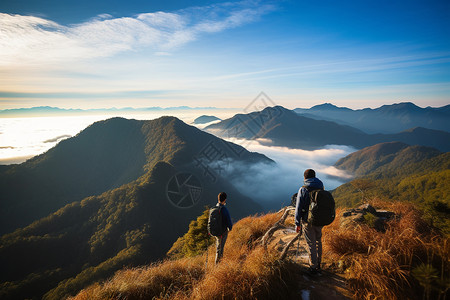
(29, 39)
(202, 126)
(273, 186)
(58, 138)
(351, 66)
(14, 160)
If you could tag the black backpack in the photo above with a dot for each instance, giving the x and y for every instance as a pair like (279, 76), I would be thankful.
(215, 221)
(294, 200)
(322, 208)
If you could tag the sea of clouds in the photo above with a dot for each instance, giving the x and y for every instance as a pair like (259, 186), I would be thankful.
(25, 137)
(273, 185)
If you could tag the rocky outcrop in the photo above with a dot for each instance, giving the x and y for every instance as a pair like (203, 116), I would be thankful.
(366, 214)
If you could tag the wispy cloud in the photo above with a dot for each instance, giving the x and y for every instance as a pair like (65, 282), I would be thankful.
(30, 39)
(349, 66)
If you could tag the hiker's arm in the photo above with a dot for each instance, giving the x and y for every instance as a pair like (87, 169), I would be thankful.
(301, 211)
(298, 221)
(226, 214)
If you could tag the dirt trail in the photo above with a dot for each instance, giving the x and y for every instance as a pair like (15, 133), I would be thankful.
(329, 286)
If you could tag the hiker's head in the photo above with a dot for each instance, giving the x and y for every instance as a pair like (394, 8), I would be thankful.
(310, 173)
(222, 197)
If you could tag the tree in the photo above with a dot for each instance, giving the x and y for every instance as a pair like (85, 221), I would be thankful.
(363, 186)
(195, 241)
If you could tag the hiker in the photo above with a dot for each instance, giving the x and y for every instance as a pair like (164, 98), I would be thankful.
(226, 225)
(313, 234)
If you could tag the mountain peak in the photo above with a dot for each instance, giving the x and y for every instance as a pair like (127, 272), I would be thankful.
(405, 104)
(419, 129)
(203, 119)
(275, 108)
(328, 106)
(384, 148)
(402, 106)
(273, 112)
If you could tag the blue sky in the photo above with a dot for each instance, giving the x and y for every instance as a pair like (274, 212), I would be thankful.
(96, 54)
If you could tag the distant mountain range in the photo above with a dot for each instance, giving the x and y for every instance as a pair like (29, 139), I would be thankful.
(48, 110)
(385, 119)
(283, 127)
(119, 193)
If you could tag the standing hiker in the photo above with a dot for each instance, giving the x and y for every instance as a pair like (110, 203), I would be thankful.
(314, 209)
(219, 223)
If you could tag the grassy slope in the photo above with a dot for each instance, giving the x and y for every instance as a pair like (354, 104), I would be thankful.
(246, 271)
(377, 265)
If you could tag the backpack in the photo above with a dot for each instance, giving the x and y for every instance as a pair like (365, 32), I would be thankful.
(322, 208)
(294, 200)
(215, 221)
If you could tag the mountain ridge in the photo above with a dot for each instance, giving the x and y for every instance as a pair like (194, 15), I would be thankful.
(105, 155)
(203, 119)
(87, 240)
(396, 154)
(283, 127)
(384, 119)
(415, 174)
(51, 110)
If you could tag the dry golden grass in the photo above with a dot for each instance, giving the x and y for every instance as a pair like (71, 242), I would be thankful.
(245, 232)
(246, 271)
(156, 281)
(258, 276)
(379, 265)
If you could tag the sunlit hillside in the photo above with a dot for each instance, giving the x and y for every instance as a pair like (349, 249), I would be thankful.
(125, 173)
(104, 156)
(397, 171)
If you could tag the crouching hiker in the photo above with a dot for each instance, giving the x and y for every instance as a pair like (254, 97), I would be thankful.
(219, 223)
(314, 209)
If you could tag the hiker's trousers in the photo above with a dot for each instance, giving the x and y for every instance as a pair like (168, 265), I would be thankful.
(220, 244)
(313, 236)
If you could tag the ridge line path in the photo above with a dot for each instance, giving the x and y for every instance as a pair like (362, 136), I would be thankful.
(330, 286)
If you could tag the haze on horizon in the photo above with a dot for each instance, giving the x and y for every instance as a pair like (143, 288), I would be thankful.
(355, 54)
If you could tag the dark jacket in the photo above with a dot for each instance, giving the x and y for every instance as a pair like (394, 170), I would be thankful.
(303, 200)
(226, 217)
